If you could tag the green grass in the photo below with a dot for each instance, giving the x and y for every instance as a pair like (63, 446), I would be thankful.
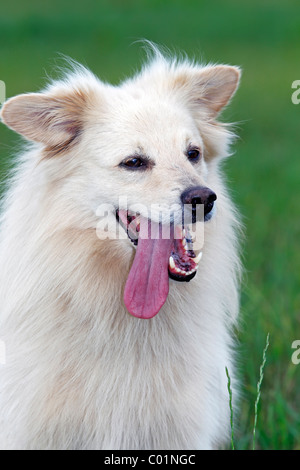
(264, 173)
(258, 390)
(258, 394)
(230, 407)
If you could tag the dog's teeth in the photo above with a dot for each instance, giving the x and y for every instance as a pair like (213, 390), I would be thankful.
(171, 262)
(198, 258)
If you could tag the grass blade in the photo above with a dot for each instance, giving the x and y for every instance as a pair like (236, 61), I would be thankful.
(230, 406)
(261, 376)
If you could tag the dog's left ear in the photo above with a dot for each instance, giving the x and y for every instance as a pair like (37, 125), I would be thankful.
(54, 120)
(212, 87)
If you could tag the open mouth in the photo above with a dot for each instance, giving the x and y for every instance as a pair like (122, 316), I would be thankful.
(159, 256)
(183, 262)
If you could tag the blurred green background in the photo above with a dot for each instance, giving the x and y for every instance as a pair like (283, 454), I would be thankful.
(263, 37)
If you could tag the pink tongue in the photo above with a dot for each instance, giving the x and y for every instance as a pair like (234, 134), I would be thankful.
(147, 286)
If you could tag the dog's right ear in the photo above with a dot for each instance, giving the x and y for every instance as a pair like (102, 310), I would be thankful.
(216, 86)
(54, 120)
(209, 88)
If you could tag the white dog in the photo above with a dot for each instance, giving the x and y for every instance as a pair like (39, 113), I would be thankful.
(105, 348)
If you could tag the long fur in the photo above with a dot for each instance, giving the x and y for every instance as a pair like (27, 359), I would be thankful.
(80, 371)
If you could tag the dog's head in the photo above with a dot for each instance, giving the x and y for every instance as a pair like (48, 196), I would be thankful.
(142, 154)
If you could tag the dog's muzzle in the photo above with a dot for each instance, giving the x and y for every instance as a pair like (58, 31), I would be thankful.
(197, 196)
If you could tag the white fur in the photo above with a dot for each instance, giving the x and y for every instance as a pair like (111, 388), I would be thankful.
(81, 372)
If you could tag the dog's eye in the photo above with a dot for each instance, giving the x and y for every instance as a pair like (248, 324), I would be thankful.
(135, 163)
(193, 155)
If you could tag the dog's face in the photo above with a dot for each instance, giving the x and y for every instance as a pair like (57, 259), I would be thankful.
(141, 155)
(147, 154)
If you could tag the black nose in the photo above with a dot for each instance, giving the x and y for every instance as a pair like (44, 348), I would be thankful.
(199, 195)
